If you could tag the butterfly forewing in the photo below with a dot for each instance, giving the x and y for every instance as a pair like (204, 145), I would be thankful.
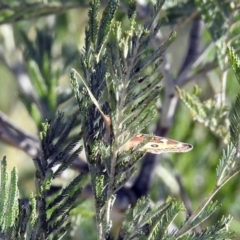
(157, 145)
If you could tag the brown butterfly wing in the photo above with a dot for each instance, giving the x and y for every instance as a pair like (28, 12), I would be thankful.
(157, 145)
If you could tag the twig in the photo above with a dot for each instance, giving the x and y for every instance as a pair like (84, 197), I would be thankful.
(16, 137)
(30, 144)
(16, 67)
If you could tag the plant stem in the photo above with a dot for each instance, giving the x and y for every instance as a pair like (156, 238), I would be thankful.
(186, 228)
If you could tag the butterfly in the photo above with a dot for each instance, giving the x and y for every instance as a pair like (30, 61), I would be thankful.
(156, 145)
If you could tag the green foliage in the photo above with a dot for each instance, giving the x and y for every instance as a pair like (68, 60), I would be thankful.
(235, 114)
(215, 14)
(228, 165)
(235, 62)
(125, 100)
(211, 113)
(44, 71)
(221, 18)
(214, 232)
(151, 221)
(120, 73)
(117, 77)
(177, 11)
(9, 200)
(39, 218)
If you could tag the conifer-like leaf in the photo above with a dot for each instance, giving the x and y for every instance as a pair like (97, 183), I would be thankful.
(235, 62)
(226, 164)
(93, 21)
(131, 9)
(221, 19)
(75, 184)
(159, 224)
(216, 15)
(33, 204)
(235, 112)
(4, 193)
(206, 213)
(149, 221)
(53, 152)
(8, 201)
(105, 23)
(210, 113)
(24, 226)
(12, 208)
(219, 231)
